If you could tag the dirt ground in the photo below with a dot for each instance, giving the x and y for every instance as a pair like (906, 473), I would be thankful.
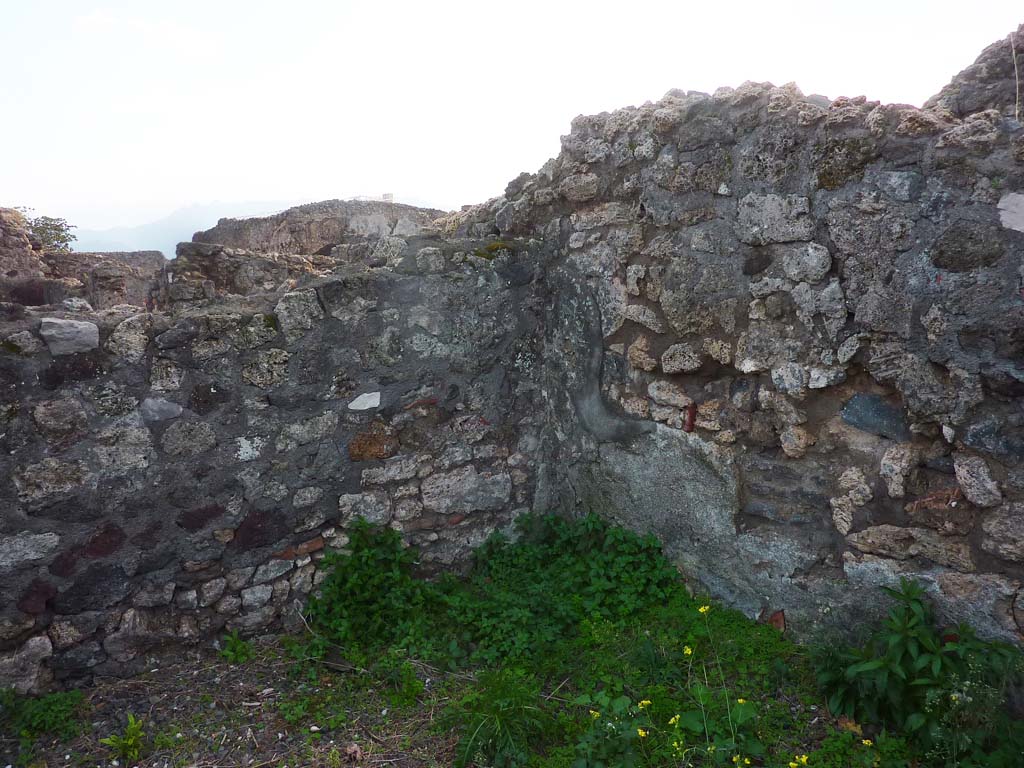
(199, 710)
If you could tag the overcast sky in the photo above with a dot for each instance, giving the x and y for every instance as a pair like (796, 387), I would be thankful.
(116, 113)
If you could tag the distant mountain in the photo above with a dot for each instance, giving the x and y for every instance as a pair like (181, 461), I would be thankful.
(164, 234)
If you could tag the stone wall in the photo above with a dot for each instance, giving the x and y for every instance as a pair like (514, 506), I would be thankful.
(787, 336)
(31, 275)
(781, 333)
(317, 227)
(172, 473)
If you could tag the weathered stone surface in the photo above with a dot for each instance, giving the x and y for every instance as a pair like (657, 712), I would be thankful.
(60, 420)
(1011, 211)
(795, 441)
(806, 263)
(188, 438)
(311, 228)
(374, 506)
(130, 338)
(267, 369)
(667, 393)
(774, 218)
(1004, 532)
(580, 187)
(983, 600)
(374, 443)
(680, 358)
(22, 669)
(871, 413)
(66, 337)
(256, 596)
(978, 486)
(23, 343)
(465, 490)
(165, 376)
(308, 431)
(48, 478)
(901, 543)
(896, 465)
(271, 570)
(24, 548)
(298, 312)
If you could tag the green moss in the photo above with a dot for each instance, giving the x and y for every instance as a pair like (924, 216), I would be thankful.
(491, 250)
(270, 321)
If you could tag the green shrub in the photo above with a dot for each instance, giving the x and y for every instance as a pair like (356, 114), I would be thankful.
(236, 650)
(520, 599)
(524, 597)
(369, 599)
(56, 715)
(128, 744)
(945, 690)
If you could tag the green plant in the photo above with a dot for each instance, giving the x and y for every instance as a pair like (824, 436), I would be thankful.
(369, 599)
(498, 719)
(128, 744)
(944, 689)
(236, 650)
(522, 598)
(57, 715)
(846, 749)
(398, 675)
(53, 234)
(617, 731)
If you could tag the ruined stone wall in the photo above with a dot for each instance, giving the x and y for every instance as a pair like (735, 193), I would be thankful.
(33, 276)
(784, 334)
(317, 226)
(168, 474)
(787, 336)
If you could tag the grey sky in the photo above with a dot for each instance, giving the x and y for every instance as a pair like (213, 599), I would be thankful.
(115, 113)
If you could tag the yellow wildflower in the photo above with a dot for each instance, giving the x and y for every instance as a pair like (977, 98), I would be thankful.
(953, 697)
(595, 714)
(746, 761)
(644, 704)
(741, 701)
(866, 742)
(793, 765)
(704, 609)
(687, 650)
(802, 759)
(641, 733)
(673, 720)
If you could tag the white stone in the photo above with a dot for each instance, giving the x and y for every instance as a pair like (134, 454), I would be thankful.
(1011, 211)
(249, 448)
(158, 409)
(66, 337)
(365, 402)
